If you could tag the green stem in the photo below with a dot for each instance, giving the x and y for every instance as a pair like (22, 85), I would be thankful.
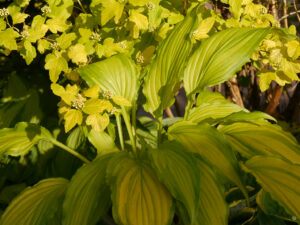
(159, 130)
(71, 151)
(118, 118)
(129, 128)
(187, 109)
(81, 6)
(133, 120)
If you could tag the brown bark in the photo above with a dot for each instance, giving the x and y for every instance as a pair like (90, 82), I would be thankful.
(235, 91)
(274, 102)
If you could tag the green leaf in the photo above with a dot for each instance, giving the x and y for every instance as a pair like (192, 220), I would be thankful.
(55, 63)
(37, 30)
(209, 144)
(8, 39)
(235, 7)
(102, 142)
(76, 138)
(111, 9)
(72, 117)
(220, 56)
(96, 105)
(77, 54)
(88, 196)
(117, 74)
(36, 205)
(65, 40)
(2, 24)
(280, 178)
(137, 194)
(178, 170)
(19, 140)
(212, 198)
(60, 9)
(28, 52)
(57, 24)
(166, 70)
(261, 138)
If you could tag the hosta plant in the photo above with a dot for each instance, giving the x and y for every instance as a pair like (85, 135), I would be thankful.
(156, 171)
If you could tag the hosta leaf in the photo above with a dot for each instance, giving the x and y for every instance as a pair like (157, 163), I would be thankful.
(166, 70)
(19, 140)
(76, 138)
(178, 170)
(117, 74)
(88, 196)
(102, 142)
(207, 67)
(209, 144)
(261, 138)
(280, 178)
(36, 205)
(137, 194)
(211, 199)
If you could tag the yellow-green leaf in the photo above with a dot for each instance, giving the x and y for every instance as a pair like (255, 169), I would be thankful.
(137, 194)
(92, 92)
(117, 74)
(36, 205)
(19, 140)
(55, 64)
(65, 40)
(209, 144)
(178, 170)
(98, 122)
(261, 138)
(57, 24)
(88, 196)
(166, 70)
(77, 54)
(8, 39)
(111, 9)
(207, 66)
(280, 178)
(102, 142)
(203, 28)
(119, 100)
(72, 117)
(94, 106)
(28, 52)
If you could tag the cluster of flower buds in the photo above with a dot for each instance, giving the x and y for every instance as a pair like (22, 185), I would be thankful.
(140, 58)
(78, 103)
(96, 37)
(46, 10)
(150, 5)
(122, 44)
(4, 12)
(108, 94)
(54, 46)
(24, 34)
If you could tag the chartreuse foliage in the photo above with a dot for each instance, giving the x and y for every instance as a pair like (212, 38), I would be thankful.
(144, 173)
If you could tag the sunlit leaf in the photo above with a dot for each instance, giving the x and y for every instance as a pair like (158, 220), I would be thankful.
(72, 117)
(117, 74)
(137, 194)
(165, 73)
(36, 205)
(178, 170)
(280, 178)
(98, 122)
(209, 144)
(261, 138)
(88, 196)
(102, 142)
(94, 106)
(19, 140)
(207, 66)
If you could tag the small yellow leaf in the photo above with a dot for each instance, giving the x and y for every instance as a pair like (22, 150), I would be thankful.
(119, 100)
(93, 106)
(67, 95)
(73, 76)
(139, 19)
(203, 28)
(92, 92)
(72, 117)
(292, 49)
(77, 54)
(98, 122)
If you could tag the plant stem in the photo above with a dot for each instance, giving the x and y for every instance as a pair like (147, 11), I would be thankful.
(129, 127)
(81, 6)
(188, 108)
(133, 120)
(118, 118)
(159, 130)
(68, 149)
